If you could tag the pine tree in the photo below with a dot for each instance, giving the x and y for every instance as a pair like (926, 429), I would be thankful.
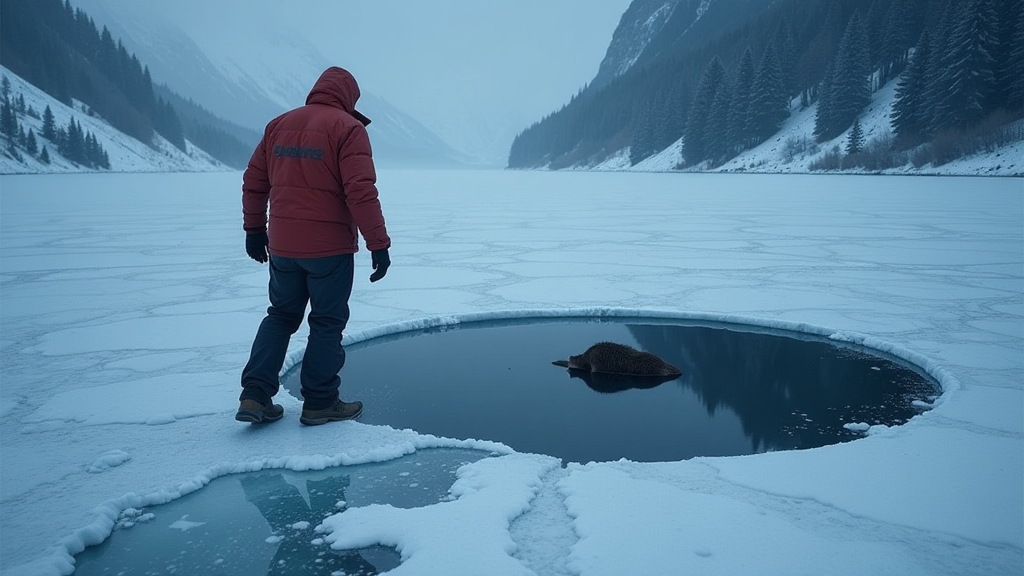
(769, 106)
(8, 119)
(717, 130)
(823, 113)
(969, 81)
(739, 108)
(661, 136)
(785, 47)
(896, 40)
(1008, 12)
(5, 88)
(95, 154)
(642, 142)
(60, 139)
(49, 125)
(75, 147)
(855, 140)
(908, 117)
(12, 151)
(851, 88)
(44, 156)
(1016, 66)
(89, 150)
(874, 30)
(31, 145)
(678, 106)
(166, 122)
(695, 137)
(940, 60)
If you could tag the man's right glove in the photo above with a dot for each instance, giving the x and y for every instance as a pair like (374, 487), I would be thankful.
(381, 260)
(256, 247)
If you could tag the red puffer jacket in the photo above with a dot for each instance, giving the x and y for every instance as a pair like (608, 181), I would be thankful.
(315, 168)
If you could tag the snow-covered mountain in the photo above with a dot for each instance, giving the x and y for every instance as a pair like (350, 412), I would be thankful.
(125, 153)
(251, 82)
(651, 90)
(642, 21)
(649, 27)
(793, 149)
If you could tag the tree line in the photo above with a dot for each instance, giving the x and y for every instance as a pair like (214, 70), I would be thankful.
(78, 145)
(60, 50)
(966, 66)
(963, 67)
(961, 92)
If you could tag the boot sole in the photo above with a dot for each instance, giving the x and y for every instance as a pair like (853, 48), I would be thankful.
(324, 420)
(256, 418)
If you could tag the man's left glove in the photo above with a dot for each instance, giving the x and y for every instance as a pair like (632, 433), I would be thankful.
(381, 261)
(256, 247)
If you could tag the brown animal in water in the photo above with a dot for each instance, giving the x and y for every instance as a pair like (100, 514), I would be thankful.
(612, 358)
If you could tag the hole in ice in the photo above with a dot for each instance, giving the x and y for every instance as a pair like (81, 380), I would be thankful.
(743, 389)
(265, 522)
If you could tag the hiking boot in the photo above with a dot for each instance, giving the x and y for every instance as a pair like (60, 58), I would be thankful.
(333, 413)
(256, 413)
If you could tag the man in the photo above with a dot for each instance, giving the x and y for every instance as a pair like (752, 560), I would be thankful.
(315, 169)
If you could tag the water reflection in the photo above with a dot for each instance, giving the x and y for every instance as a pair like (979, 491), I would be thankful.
(789, 392)
(264, 522)
(612, 383)
(741, 392)
(289, 514)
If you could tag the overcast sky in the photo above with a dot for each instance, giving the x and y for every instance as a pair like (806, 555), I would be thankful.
(456, 65)
(531, 54)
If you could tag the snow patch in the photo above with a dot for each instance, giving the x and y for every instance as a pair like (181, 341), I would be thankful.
(108, 460)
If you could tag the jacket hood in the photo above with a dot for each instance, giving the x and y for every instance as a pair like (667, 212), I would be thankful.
(337, 87)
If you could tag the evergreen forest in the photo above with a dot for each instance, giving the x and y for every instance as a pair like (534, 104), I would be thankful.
(60, 50)
(959, 65)
(74, 143)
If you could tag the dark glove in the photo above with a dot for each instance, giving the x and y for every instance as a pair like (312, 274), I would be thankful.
(381, 261)
(256, 247)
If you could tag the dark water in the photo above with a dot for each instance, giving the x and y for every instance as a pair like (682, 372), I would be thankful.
(742, 391)
(263, 522)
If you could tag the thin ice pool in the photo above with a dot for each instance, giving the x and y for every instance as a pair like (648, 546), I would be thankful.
(743, 390)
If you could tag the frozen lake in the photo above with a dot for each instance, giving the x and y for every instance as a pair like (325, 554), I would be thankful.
(128, 306)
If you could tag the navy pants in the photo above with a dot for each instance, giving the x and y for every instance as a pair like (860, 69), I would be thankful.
(324, 283)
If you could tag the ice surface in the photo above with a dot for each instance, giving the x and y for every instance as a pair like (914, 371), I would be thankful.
(927, 269)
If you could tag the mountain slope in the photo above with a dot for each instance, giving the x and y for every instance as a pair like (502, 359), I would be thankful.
(641, 22)
(126, 154)
(250, 84)
(723, 72)
(793, 149)
(60, 50)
